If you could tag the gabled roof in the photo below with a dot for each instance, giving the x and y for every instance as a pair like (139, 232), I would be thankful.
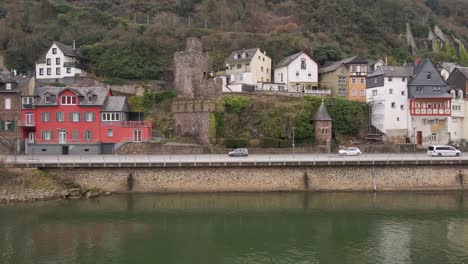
(335, 65)
(115, 104)
(66, 49)
(393, 71)
(448, 66)
(286, 61)
(249, 52)
(322, 114)
(420, 71)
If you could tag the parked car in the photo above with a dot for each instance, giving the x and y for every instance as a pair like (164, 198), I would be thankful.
(443, 151)
(351, 151)
(240, 152)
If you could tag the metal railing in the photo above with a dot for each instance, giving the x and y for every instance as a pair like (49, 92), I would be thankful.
(207, 160)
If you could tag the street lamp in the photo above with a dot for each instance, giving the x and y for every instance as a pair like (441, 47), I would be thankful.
(293, 143)
(170, 144)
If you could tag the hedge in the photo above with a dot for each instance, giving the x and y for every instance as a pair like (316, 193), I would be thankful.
(268, 142)
(236, 142)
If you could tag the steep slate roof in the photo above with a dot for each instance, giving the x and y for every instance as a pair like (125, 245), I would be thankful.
(463, 70)
(393, 71)
(419, 75)
(20, 83)
(335, 65)
(250, 53)
(322, 114)
(286, 61)
(358, 60)
(99, 92)
(115, 104)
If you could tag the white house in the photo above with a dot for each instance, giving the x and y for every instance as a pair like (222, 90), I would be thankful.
(60, 64)
(299, 72)
(387, 96)
(456, 120)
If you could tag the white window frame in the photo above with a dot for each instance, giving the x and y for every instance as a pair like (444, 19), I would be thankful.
(110, 132)
(68, 100)
(110, 116)
(7, 103)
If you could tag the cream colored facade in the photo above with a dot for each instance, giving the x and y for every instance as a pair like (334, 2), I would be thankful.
(248, 67)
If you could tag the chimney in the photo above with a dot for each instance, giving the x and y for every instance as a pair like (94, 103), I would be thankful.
(417, 61)
(74, 45)
(386, 60)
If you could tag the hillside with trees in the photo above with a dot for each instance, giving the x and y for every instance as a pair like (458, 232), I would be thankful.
(136, 39)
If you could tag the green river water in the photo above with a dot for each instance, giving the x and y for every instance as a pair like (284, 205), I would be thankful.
(239, 228)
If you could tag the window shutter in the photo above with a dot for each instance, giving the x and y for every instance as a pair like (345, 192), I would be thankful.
(51, 134)
(12, 125)
(92, 116)
(71, 116)
(3, 125)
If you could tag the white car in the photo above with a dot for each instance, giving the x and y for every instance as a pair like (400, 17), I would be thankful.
(351, 151)
(443, 151)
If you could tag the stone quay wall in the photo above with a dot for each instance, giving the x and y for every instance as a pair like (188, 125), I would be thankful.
(270, 179)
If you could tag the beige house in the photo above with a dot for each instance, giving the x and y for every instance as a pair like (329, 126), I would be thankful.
(249, 66)
(335, 78)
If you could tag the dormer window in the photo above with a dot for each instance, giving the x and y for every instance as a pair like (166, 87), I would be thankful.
(8, 86)
(90, 97)
(429, 76)
(244, 55)
(68, 100)
(54, 50)
(47, 98)
(236, 56)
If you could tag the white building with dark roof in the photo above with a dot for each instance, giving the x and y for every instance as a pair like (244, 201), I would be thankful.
(60, 64)
(387, 97)
(298, 72)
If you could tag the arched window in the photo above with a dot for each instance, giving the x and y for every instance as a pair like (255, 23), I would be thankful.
(7, 103)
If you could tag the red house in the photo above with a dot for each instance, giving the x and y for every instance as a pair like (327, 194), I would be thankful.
(78, 121)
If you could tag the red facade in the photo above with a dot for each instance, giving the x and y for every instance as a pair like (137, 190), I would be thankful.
(430, 107)
(69, 122)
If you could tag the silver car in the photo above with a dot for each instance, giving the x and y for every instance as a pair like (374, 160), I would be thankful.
(240, 152)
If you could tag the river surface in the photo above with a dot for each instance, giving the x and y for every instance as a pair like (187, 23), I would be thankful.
(239, 228)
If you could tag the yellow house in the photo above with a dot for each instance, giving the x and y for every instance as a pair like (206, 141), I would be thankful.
(248, 66)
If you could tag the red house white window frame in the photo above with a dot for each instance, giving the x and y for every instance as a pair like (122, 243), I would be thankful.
(68, 100)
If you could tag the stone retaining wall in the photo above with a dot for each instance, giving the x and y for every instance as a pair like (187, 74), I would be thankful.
(266, 179)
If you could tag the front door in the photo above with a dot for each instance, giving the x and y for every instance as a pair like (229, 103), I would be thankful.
(419, 138)
(137, 135)
(31, 137)
(62, 137)
(65, 150)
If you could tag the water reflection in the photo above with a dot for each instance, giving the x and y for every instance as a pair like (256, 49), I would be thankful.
(239, 228)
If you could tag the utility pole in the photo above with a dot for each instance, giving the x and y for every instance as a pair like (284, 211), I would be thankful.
(293, 143)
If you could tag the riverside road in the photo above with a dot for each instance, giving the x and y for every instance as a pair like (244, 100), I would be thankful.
(220, 160)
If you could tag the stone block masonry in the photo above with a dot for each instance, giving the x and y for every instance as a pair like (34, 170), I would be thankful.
(268, 179)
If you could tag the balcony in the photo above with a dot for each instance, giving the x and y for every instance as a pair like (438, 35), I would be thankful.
(318, 92)
(26, 124)
(28, 106)
(127, 124)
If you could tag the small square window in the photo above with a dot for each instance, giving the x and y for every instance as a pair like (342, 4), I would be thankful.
(54, 50)
(390, 79)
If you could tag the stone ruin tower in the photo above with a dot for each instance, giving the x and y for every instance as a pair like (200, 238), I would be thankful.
(196, 93)
(322, 122)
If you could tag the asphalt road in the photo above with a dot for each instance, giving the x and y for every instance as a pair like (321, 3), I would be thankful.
(49, 159)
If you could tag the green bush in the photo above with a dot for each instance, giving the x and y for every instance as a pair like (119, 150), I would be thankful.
(236, 143)
(235, 103)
